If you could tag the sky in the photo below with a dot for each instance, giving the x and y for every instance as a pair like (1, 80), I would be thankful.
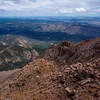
(49, 7)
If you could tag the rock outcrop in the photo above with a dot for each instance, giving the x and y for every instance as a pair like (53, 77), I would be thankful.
(82, 80)
(69, 53)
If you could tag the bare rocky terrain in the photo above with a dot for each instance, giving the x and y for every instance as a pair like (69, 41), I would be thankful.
(68, 71)
(69, 53)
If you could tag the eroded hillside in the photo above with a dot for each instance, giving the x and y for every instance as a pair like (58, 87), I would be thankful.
(16, 51)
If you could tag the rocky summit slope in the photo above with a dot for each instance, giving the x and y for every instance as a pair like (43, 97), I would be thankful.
(69, 53)
(37, 81)
(58, 78)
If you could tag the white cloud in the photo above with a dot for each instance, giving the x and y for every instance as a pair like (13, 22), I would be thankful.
(81, 10)
(49, 7)
(65, 11)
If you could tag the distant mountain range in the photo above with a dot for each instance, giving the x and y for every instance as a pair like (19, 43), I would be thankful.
(52, 29)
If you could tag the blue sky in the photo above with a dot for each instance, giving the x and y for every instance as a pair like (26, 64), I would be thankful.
(49, 7)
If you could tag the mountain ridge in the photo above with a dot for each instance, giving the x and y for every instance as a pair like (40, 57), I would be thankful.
(69, 52)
